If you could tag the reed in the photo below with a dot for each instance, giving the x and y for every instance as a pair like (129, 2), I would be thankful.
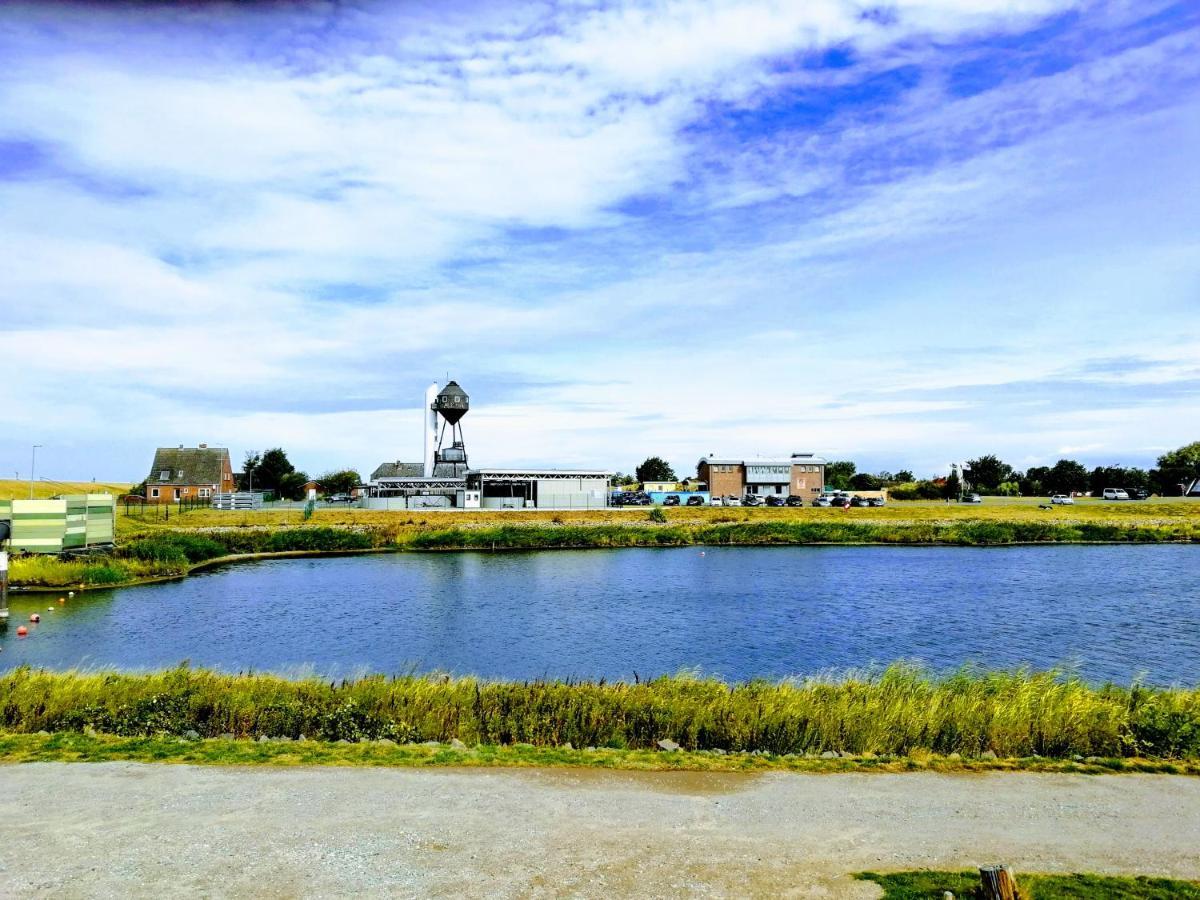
(899, 711)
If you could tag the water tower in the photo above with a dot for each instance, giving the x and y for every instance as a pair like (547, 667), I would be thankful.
(451, 403)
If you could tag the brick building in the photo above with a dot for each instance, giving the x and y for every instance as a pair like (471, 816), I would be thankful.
(800, 475)
(189, 473)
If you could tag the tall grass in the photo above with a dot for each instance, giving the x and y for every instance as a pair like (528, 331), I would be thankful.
(899, 711)
(968, 533)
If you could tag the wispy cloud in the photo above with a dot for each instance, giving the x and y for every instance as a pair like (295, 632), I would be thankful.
(902, 226)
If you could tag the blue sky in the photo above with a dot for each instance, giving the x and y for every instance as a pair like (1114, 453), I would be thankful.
(904, 233)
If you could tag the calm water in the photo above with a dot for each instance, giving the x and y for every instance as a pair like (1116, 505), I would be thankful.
(1113, 612)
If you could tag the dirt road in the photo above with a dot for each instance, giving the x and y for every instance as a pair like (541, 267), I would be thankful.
(122, 830)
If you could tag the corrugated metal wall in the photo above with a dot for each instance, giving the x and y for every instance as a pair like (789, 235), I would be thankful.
(69, 523)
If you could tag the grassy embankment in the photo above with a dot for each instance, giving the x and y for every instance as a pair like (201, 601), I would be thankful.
(19, 490)
(899, 719)
(150, 548)
(931, 885)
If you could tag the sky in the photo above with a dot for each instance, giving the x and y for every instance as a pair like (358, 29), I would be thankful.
(903, 233)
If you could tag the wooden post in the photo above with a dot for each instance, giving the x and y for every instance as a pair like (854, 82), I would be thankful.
(3, 587)
(998, 883)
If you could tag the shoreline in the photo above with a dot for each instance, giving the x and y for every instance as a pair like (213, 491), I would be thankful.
(526, 538)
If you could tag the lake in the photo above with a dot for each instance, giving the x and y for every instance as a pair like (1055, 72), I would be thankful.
(1111, 612)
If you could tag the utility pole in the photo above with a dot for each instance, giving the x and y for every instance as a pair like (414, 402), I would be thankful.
(32, 468)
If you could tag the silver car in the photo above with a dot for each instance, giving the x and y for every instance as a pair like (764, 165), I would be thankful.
(1062, 500)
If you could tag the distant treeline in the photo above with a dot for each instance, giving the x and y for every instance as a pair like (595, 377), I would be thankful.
(991, 475)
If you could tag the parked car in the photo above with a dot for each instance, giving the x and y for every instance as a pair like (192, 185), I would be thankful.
(636, 498)
(875, 501)
(972, 498)
(1115, 494)
(794, 501)
(774, 500)
(714, 500)
(842, 501)
(340, 498)
(695, 500)
(671, 500)
(732, 501)
(1141, 495)
(1062, 500)
(823, 500)
(752, 500)
(858, 501)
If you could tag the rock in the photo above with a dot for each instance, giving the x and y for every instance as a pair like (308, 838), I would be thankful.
(1094, 759)
(302, 737)
(667, 744)
(282, 739)
(44, 733)
(456, 744)
(229, 736)
(829, 754)
(263, 739)
(846, 754)
(192, 735)
(341, 741)
(432, 744)
(955, 755)
(567, 746)
(988, 754)
(718, 751)
(386, 742)
(90, 731)
(1077, 758)
(590, 749)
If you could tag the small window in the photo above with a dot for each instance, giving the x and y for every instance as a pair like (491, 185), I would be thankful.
(164, 475)
(153, 492)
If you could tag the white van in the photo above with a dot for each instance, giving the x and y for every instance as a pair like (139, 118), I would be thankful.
(1115, 494)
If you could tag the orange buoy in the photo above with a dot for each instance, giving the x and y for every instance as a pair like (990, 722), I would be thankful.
(62, 599)
(34, 617)
(22, 631)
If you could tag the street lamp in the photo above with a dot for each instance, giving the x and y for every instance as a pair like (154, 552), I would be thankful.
(32, 468)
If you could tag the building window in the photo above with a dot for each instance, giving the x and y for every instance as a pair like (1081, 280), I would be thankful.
(153, 492)
(164, 475)
(204, 492)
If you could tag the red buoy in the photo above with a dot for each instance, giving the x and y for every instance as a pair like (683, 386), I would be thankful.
(34, 617)
(22, 631)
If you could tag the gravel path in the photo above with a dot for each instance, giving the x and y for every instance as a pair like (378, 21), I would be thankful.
(134, 830)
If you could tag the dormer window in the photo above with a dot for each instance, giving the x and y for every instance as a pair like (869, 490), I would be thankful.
(164, 475)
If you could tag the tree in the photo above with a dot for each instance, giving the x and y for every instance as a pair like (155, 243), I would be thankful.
(1033, 482)
(839, 473)
(865, 482)
(1066, 476)
(1133, 479)
(246, 476)
(291, 486)
(952, 488)
(1179, 467)
(341, 482)
(266, 473)
(621, 479)
(655, 468)
(988, 472)
(904, 477)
